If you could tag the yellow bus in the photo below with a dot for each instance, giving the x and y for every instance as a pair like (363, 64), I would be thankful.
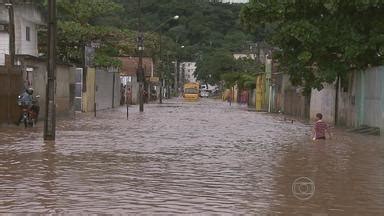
(191, 91)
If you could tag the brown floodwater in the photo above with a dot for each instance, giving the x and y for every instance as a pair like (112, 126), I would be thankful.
(189, 158)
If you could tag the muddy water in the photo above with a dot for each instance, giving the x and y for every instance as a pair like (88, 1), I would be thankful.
(189, 158)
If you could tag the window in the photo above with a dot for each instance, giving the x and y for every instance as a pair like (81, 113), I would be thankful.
(191, 91)
(28, 33)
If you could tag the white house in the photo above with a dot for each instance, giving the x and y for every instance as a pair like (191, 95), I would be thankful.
(27, 21)
(244, 55)
(188, 69)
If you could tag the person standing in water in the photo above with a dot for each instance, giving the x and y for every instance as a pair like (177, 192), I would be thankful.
(229, 98)
(320, 128)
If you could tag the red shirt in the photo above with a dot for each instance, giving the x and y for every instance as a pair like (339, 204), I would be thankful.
(320, 128)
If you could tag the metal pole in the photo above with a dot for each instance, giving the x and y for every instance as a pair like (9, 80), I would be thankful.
(113, 89)
(168, 83)
(270, 99)
(161, 73)
(140, 64)
(94, 95)
(50, 103)
(12, 49)
(126, 99)
(337, 100)
(176, 81)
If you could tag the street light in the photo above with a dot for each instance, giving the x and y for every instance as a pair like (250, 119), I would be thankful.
(140, 47)
(176, 17)
(177, 78)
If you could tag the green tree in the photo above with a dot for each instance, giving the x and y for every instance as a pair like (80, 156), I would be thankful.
(243, 74)
(212, 65)
(220, 65)
(319, 41)
(78, 27)
(203, 26)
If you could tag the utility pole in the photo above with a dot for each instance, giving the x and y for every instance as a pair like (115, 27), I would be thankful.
(176, 80)
(161, 74)
(268, 83)
(12, 49)
(140, 71)
(50, 103)
(168, 93)
(11, 31)
(176, 17)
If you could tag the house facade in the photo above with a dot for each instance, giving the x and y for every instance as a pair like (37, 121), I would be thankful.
(128, 74)
(29, 69)
(27, 22)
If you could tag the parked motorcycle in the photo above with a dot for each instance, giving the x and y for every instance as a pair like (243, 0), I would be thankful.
(29, 113)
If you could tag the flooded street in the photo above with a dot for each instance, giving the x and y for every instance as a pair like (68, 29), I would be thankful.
(189, 158)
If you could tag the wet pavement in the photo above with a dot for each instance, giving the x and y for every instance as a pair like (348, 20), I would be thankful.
(189, 158)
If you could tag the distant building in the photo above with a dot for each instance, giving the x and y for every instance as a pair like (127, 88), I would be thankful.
(188, 70)
(255, 51)
(130, 65)
(129, 77)
(27, 21)
(243, 55)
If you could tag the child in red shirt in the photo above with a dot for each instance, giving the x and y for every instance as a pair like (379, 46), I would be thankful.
(320, 128)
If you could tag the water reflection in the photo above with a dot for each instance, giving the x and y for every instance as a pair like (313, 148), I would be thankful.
(48, 197)
(345, 176)
(188, 158)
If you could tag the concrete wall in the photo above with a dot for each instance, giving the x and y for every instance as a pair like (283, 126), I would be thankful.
(372, 98)
(100, 88)
(64, 78)
(293, 102)
(361, 101)
(107, 89)
(348, 102)
(324, 102)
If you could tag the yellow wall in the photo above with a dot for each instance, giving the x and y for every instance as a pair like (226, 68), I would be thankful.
(89, 95)
(226, 94)
(260, 92)
(235, 91)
